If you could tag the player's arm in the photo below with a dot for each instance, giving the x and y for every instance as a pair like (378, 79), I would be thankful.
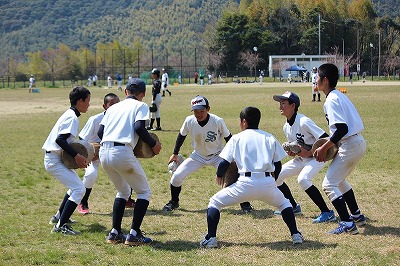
(228, 138)
(142, 132)
(221, 170)
(178, 144)
(278, 168)
(341, 131)
(62, 142)
(100, 133)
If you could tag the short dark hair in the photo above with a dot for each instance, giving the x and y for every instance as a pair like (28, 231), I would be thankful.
(329, 71)
(135, 86)
(109, 96)
(252, 116)
(78, 93)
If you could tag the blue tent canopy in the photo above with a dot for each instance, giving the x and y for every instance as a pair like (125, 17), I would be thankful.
(296, 68)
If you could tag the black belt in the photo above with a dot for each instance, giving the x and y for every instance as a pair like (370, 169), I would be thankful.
(248, 174)
(48, 151)
(119, 144)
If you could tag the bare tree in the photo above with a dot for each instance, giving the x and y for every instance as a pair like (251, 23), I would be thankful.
(250, 60)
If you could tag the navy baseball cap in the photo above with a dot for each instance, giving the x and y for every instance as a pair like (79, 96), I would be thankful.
(199, 103)
(290, 96)
(136, 85)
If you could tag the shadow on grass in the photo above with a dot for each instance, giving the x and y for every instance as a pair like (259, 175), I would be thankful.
(180, 245)
(380, 230)
(94, 228)
(256, 214)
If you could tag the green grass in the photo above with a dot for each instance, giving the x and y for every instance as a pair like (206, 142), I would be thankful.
(29, 195)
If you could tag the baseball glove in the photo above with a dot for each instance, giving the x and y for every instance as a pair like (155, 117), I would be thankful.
(231, 175)
(82, 147)
(153, 108)
(143, 150)
(295, 146)
(96, 147)
(332, 151)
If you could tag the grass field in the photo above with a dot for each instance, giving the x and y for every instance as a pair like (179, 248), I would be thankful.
(30, 196)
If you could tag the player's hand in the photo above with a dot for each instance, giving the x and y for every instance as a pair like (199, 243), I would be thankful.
(157, 148)
(290, 153)
(173, 158)
(219, 180)
(320, 154)
(81, 161)
(304, 153)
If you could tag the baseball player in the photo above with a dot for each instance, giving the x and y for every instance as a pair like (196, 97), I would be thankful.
(109, 82)
(257, 154)
(345, 126)
(156, 99)
(63, 133)
(301, 130)
(314, 87)
(206, 131)
(89, 133)
(119, 80)
(32, 83)
(119, 132)
(165, 81)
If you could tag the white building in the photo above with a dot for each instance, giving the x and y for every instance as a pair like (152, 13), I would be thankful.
(279, 63)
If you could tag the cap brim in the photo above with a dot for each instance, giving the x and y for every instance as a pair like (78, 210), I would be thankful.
(279, 98)
(199, 107)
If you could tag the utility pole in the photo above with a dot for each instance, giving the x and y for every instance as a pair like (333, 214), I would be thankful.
(319, 34)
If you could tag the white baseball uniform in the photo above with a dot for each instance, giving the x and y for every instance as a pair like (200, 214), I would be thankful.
(31, 82)
(207, 144)
(68, 123)
(352, 147)
(314, 82)
(116, 151)
(303, 130)
(89, 133)
(164, 82)
(254, 152)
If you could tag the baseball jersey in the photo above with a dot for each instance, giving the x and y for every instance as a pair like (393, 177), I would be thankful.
(68, 123)
(32, 80)
(339, 109)
(314, 77)
(206, 140)
(120, 118)
(89, 131)
(253, 150)
(303, 130)
(164, 78)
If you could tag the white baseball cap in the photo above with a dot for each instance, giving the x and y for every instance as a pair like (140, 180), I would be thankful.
(199, 103)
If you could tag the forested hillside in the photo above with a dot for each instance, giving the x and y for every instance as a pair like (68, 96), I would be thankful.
(29, 26)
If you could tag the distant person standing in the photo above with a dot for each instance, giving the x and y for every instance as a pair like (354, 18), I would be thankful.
(109, 82)
(351, 77)
(32, 83)
(314, 86)
(201, 77)
(94, 80)
(155, 100)
(119, 80)
(196, 76)
(164, 83)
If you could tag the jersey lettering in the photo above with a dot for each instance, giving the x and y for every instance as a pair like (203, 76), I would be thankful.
(211, 136)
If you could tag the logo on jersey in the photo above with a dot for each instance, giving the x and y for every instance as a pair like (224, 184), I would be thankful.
(211, 136)
(300, 138)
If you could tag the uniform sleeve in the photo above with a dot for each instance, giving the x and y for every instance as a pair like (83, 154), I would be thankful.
(185, 127)
(69, 126)
(312, 128)
(88, 129)
(143, 112)
(279, 151)
(223, 128)
(334, 111)
(227, 151)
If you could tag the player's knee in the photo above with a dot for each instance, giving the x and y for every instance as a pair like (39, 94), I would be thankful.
(330, 191)
(177, 180)
(144, 195)
(304, 183)
(214, 204)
